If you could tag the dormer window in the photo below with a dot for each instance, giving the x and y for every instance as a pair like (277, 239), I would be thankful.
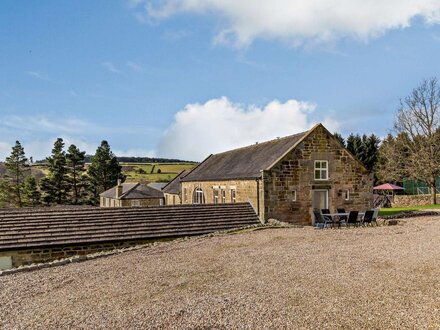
(321, 170)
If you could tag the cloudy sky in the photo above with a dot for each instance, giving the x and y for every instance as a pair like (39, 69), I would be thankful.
(186, 78)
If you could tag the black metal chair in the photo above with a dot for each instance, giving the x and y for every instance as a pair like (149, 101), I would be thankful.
(342, 218)
(327, 217)
(320, 221)
(368, 217)
(353, 218)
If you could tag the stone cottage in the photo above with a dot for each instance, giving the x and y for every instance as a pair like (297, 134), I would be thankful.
(131, 194)
(284, 179)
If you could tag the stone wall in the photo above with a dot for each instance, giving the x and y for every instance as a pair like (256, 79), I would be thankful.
(411, 200)
(246, 191)
(47, 254)
(113, 202)
(171, 199)
(295, 172)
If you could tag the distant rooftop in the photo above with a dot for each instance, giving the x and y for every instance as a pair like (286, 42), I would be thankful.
(134, 191)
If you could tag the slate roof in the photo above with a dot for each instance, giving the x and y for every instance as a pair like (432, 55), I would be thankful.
(243, 163)
(157, 185)
(32, 228)
(133, 191)
(173, 187)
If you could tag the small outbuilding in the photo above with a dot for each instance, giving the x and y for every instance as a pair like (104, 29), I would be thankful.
(131, 194)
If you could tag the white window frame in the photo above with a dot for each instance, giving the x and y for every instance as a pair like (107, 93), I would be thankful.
(215, 194)
(321, 170)
(233, 195)
(347, 195)
(293, 195)
(223, 195)
(136, 203)
(199, 196)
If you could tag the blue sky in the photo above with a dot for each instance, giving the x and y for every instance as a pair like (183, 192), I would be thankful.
(183, 78)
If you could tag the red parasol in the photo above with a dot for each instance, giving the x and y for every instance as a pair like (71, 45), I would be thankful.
(388, 186)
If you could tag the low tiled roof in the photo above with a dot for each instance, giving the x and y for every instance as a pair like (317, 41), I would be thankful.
(173, 187)
(243, 163)
(157, 185)
(47, 227)
(134, 191)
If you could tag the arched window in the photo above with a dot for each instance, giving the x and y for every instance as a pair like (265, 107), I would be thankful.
(198, 196)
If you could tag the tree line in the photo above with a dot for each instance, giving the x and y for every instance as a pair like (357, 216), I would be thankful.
(68, 180)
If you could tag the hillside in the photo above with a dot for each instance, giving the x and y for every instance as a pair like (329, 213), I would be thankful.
(154, 172)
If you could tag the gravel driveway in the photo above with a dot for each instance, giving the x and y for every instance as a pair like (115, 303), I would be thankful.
(376, 278)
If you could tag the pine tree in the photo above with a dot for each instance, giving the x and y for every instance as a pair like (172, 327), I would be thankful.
(339, 138)
(104, 170)
(31, 195)
(75, 169)
(56, 184)
(17, 170)
(5, 193)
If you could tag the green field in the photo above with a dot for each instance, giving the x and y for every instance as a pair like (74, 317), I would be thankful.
(153, 172)
(397, 210)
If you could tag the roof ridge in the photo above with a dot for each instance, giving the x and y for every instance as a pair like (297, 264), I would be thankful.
(171, 181)
(130, 190)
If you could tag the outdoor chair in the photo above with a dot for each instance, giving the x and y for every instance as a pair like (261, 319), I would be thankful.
(327, 217)
(353, 218)
(368, 217)
(342, 218)
(320, 221)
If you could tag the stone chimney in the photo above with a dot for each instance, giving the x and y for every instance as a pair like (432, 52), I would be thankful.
(119, 189)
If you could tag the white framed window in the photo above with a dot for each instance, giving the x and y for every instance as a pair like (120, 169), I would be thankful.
(321, 170)
(136, 203)
(215, 194)
(199, 196)
(223, 194)
(185, 196)
(233, 195)
(294, 196)
(347, 195)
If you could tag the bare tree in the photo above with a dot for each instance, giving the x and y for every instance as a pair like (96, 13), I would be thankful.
(418, 119)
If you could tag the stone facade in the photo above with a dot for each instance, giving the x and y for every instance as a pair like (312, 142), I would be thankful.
(286, 190)
(114, 202)
(295, 173)
(172, 199)
(245, 191)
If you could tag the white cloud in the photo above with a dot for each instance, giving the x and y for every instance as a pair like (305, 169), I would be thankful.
(219, 125)
(135, 66)
(45, 124)
(299, 21)
(110, 67)
(38, 75)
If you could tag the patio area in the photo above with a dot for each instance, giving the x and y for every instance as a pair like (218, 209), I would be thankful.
(383, 277)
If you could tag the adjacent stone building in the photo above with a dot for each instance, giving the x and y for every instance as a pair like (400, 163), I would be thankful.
(131, 194)
(171, 190)
(284, 178)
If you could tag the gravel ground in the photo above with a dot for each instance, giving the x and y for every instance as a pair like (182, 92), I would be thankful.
(290, 278)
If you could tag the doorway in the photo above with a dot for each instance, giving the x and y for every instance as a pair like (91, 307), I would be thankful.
(320, 199)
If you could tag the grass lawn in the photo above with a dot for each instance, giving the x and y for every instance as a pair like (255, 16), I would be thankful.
(153, 172)
(397, 210)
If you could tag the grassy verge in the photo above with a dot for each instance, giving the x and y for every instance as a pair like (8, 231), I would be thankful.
(397, 210)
